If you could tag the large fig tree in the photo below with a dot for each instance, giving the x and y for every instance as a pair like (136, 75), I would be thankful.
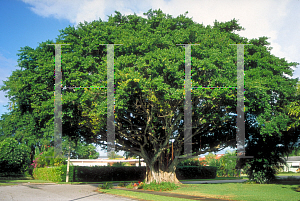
(149, 78)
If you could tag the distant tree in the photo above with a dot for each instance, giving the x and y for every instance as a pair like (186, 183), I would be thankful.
(227, 164)
(295, 152)
(294, 109)
(128, 154)
(113, 155)
(190, 162)
(80, 150)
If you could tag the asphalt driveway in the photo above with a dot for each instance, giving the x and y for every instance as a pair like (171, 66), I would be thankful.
(54, 192)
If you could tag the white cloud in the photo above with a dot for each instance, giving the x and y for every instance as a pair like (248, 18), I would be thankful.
(73, 10)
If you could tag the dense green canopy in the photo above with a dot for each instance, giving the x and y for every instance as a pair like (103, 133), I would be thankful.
(149, 87)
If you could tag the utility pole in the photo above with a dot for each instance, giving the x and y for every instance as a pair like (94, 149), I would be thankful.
(68, 164)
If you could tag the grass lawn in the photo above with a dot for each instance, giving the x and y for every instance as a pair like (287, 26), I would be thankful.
(288, 174)
(142, 196)
(241, 191)
(279, 190)
(7, 184)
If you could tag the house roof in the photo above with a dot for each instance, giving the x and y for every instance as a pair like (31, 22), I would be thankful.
(293, 158)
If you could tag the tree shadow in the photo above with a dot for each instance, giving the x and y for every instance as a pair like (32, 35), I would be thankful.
(288, 181)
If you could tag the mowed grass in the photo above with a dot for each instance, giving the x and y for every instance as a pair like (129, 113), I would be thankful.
(137, 195)
(23, 181)
(7, 184)
(280, 190)
(242, 191)
(288, 174)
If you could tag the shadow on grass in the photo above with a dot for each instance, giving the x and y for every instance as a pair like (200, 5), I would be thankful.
(288, 181)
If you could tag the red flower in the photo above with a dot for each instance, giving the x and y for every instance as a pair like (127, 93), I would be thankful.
(139, 182)
(134, 184)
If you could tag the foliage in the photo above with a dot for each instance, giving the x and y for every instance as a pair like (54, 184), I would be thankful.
(79, 149)
(190, 162)
(55, 174)
(14, 157)
(149, 89)
(294, 152)
(211, 160)
(128, 154)
(105, 173)
(122, 184)
(107, 185)
(265, 164)
(227, 165)
(130, 186)
(163, 186)
(196, 172)
(113, 155)
(46, 158)
(294, 109)
(120, 164)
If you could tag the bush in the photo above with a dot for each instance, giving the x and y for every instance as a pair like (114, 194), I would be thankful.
(261, 171)
(130, 186)
(196, 172)
(105, 173)
(121, 164)
(122, 184)
(46, 159)
(163, 186)
(141, 185)
(107, 185)
(226, 164)
(190, 162)
(55, 174)
(14, 157)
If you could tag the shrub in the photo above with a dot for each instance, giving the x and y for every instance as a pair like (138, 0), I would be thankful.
(46, 159)
(14, 157)
(130, 186)
(55, 174)
(141, 185)
(121, 164)
(106, 185)
(122, 184)
(104, 173)
(190, 162)
(163, 186)
(196, 172)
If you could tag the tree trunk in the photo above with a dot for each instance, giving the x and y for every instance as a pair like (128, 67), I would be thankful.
(160, 176)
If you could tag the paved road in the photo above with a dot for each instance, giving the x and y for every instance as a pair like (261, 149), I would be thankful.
(54, 192)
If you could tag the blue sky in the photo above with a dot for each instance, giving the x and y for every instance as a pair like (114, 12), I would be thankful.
(30, 22)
